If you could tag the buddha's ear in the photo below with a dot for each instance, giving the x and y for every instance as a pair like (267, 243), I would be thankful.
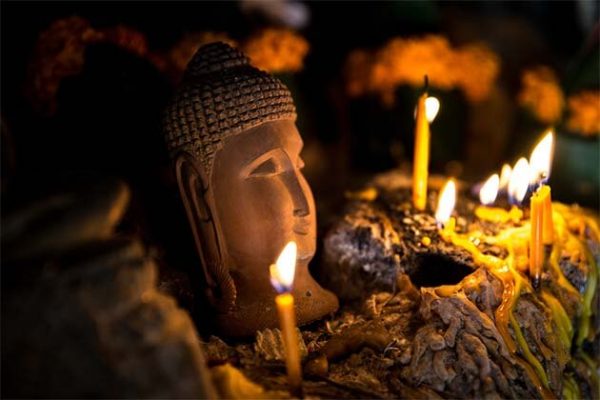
(197, 198)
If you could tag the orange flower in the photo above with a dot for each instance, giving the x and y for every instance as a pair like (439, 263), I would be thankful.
(58, 53)
(127, 38)
(476, 68)
(584, 113)
(276, 50)
(541, 93)
(472, 68)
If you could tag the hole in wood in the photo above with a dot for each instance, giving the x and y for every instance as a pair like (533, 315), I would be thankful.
(433, 270)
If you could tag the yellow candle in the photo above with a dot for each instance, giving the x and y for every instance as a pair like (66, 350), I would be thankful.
(540, 163)
(547, 223)
(427, 109)
(282, 278)
(287, 323)
(536, 244)
(421, 156)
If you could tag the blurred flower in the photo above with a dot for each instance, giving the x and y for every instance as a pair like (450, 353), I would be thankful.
(584, 113)
(276, 50)
(472, 68)
(183, 51)
(541, 93)
(58, 53)
(412, 59)
(127, 38)
(476, 68)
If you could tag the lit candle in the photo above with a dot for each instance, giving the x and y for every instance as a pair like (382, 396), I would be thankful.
(446, 201)
(542, 228)
(427, 109)
(536, 245)
(489, 190)
(505, 177)
(282, 279)
(519, 182)
(487, 196)
(547, 223)
(540, 163)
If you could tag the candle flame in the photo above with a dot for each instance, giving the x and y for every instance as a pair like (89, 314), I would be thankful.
(540, 160)
(489, 190)
(446, 202)
(284, 269)
(432, 106)
(505, 176)
(519, 181)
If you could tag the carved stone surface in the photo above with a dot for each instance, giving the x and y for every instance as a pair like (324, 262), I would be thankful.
(236, 150)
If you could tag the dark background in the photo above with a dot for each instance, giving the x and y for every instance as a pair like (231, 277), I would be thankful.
(110, 112)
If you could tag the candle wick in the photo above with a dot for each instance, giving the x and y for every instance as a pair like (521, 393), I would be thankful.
(426, 83)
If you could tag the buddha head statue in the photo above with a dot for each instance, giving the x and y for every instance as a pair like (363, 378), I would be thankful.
(231, 133)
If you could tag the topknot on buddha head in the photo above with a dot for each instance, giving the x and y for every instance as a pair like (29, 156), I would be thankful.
(222, 95)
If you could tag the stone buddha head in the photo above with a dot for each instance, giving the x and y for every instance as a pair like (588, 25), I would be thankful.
(231, 133)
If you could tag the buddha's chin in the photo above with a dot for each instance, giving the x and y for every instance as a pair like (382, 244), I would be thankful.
(255, 309)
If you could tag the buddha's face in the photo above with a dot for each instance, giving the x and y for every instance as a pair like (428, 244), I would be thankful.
(262, 199)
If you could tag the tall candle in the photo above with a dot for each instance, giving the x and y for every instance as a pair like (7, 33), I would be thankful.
(421, 156)
(547, 223)
(536, 244)
(427, 109)
(282, 279)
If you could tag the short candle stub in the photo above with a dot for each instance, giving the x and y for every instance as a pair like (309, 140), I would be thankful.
(446, 202)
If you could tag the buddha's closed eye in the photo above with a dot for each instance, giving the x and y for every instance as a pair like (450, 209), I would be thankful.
(272, 164)
(269, 167)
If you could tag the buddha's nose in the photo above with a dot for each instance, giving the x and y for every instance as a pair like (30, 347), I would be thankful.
(299, 197)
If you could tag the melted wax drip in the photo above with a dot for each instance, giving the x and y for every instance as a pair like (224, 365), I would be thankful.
(514, 284)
